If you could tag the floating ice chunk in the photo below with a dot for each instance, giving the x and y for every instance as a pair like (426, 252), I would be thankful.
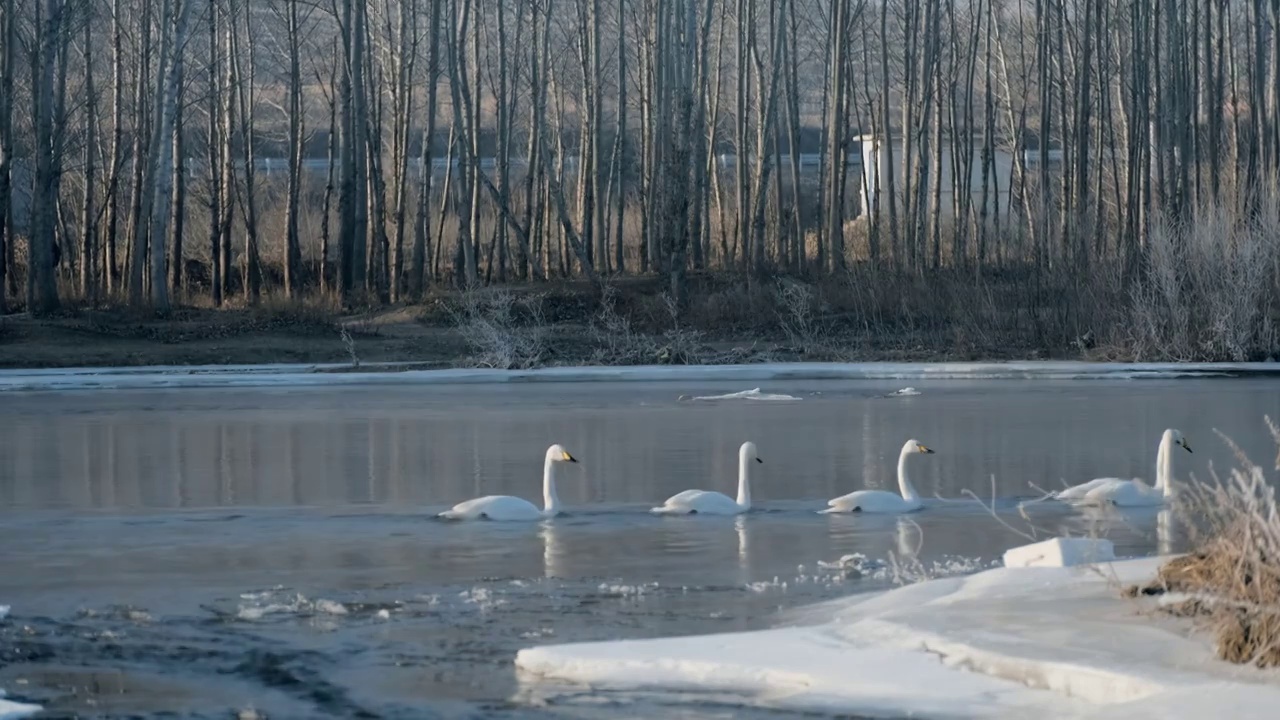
(856, 565)
(481, 597)
(4, 613)
(753, 394)
(904, 392)
(626, 590)
(1060, 553)
(10, 710)
(263, 604)
(330, 607)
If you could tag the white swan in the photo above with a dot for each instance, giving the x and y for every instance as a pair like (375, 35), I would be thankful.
(881, 501)
(506, 507)
(1135, 493)
(706, 502)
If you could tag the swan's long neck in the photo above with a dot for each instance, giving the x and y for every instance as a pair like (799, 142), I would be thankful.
(550, 501)
(744, 480)
(1164, 465)
(904, 483)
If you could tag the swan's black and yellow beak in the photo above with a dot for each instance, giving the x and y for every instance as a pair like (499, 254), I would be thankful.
(1186, 445)
(569, 458)
(924, 450)
(759, 460)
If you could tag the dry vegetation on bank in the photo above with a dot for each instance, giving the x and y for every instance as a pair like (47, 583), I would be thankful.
(1231, 579)
(1207, 290)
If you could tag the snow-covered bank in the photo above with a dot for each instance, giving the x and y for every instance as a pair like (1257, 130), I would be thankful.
(1008, 642)
(397, 374)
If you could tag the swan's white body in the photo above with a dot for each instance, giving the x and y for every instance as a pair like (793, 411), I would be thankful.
(508, 508)
(708, 502)
(881, 501)
(1077, 492)
(1132, 493)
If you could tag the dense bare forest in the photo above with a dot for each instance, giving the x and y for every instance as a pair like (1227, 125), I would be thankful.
(1047, 172)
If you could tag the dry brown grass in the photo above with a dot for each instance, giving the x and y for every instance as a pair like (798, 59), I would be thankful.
(1232, 578)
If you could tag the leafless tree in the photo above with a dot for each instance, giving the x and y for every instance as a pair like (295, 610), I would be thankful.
(8, 31)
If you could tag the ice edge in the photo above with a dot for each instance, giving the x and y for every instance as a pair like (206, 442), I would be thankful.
(297, 375)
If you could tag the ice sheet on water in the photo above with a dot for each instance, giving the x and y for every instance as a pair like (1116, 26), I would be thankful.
(1046, 642)
(324, 375)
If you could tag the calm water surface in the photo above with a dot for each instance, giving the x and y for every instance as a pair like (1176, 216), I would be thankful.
(194, 553)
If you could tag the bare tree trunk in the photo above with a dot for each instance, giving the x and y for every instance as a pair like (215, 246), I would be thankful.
(475, 111)
(160, 173)
(226, 129)
(422, 227)
(216, 142)
(535, 171)
(172, 49)
(110, 269)
(588, 136)
(42, 288)
(446, 194)
(702, 156)
(243, 77)
(767, 123)
(601, 259)
(406, 57)
(88, 214)
(379, 267)
(1215, 67)
(8, 32)
(178, 222)
(795, 257)
(347, 276)
(138, 222)
(682, 196)
(620, 146)
(507, 100)
(330, 170)
(156, 174)
(296, 119)
(743, 198)
(838, 61)
(888, 188)
(352, 202)
(464, 121)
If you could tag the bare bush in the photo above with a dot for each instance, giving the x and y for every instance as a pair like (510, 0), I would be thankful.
(683, 345)
(1232, 578)
(1206, 289)
(618, 343)
(504, 331)
(349, 343)
(798, 314)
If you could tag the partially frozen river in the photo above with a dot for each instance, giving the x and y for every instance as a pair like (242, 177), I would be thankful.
(199, 552)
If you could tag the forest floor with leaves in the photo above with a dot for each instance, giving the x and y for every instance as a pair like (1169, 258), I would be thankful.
(508, 327)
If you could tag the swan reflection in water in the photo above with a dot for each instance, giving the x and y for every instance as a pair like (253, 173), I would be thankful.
(1161, 526)
(553, 551)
